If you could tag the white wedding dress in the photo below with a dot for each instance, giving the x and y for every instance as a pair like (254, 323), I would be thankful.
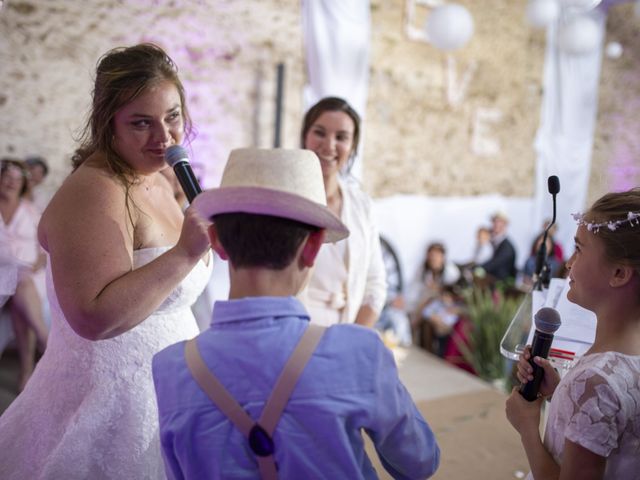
(89, 411)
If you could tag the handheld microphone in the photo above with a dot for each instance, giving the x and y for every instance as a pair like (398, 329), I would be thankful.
(553, 185)
(176, 156)
(547, 321)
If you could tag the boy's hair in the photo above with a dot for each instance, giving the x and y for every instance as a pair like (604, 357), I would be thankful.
(622, 244)
(252, 240)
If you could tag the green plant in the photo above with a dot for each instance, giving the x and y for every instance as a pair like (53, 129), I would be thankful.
(489, 313)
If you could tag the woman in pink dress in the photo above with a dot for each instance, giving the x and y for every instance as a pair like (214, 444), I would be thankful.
(18, 230)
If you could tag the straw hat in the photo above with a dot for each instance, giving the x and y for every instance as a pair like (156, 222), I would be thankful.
(277, 182)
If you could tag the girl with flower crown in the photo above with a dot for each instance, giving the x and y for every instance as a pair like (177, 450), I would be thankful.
(593, 427)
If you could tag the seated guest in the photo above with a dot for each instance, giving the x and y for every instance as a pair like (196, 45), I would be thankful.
(437, 273)
(558, 251)
(437, 270)
(38, 171)
(530, 265)
(439, 318)
(483, 250)
(18, 230)
(394, 319)
(223, 411)
(502, 264)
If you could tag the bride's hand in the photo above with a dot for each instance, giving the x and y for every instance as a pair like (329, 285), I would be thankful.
(194, 237)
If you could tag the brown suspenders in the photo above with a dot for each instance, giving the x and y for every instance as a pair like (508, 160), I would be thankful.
(258, 433)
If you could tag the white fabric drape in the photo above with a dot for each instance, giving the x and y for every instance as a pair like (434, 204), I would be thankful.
(564, 139)
(337, 45)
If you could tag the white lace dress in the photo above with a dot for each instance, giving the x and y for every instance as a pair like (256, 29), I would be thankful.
(89, 411)
(597, 406)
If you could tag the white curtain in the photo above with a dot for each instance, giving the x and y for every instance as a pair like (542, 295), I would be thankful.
(564, 139)
(337, 44)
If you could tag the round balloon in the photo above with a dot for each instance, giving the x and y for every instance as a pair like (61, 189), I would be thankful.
(614, 50)
(449, 26)
(579, 35)
(542, 13)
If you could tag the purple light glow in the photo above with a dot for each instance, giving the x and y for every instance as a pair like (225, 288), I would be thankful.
(623, 169)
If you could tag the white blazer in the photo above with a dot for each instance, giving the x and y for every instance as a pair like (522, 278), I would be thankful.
(366, 284)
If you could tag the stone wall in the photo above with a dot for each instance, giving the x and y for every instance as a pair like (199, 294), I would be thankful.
(458, 124)
(227, 52)
(616, 150)
(446, 125)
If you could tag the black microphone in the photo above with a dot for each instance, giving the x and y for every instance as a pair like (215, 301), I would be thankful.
(553, 185)
(547, 321)
(177, 157)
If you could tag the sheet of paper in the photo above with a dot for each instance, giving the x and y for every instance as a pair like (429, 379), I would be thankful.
(578, 328)
(578, 324)
(556, 287)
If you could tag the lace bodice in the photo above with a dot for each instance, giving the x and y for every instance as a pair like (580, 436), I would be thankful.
(597, 405)
(89, 410)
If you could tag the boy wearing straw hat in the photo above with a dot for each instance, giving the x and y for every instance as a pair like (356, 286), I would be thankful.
(263, 393)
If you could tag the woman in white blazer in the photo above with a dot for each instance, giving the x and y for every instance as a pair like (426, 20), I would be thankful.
(348, 284)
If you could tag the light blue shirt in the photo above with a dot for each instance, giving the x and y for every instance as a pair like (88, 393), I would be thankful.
(350, 384)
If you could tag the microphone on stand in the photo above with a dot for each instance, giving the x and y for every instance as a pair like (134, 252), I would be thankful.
(542, 269)
(520, 326)
(177, 157)
(547, 321)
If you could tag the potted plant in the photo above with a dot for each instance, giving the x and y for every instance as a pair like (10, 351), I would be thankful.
(488, 314)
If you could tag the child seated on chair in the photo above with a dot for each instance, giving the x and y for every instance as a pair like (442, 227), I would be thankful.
(263, 393)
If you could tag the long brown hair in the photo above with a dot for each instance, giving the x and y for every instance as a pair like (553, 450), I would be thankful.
(122, 75)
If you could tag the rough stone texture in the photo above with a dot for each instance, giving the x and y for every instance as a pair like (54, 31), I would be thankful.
(227, 53)
(616, 151)
(419, 139)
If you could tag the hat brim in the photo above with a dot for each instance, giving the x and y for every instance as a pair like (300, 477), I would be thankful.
(276, 203)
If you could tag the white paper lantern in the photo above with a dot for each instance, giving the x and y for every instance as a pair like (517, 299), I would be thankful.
(614, 50)
(449, 26)
(542, 13)
(580, 35)
(583, 4)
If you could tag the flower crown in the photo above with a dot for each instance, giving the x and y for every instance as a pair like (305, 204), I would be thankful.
(633, 218)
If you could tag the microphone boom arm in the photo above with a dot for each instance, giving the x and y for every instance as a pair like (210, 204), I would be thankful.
(542, 272)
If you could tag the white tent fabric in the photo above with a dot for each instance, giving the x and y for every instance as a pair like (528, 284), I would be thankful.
(564, 139)
(337, 45)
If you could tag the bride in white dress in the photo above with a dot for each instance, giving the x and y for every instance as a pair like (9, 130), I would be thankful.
(124, 266)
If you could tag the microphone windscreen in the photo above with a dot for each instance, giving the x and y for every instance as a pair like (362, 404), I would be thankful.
(553, 183)
(175, 153)
(547, 320)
